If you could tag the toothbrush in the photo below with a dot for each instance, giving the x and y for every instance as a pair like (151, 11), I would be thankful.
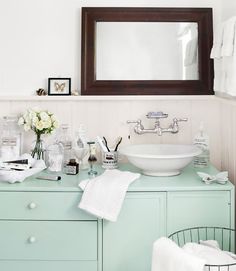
(105, 141)
(101, 144)
(118, 143)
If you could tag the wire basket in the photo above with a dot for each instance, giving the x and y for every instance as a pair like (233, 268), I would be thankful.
(224, 236)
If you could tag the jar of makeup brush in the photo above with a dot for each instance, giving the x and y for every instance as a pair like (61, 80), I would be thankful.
(110, 160)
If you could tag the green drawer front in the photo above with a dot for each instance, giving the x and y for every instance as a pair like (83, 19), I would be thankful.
(47, 266)
(42, 206)
(48, 240)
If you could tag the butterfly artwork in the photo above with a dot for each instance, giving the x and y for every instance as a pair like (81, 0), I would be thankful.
(59, 87)
(221, 178)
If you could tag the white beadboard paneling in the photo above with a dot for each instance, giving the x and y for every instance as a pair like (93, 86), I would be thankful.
(108, 117)
(228, 137)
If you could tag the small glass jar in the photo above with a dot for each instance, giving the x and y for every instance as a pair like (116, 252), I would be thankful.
(54, 157)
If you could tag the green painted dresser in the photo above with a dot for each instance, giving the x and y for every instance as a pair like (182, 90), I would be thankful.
(41, 227)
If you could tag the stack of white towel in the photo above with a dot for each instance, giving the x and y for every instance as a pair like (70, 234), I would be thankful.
(224, 55)
(167, 256)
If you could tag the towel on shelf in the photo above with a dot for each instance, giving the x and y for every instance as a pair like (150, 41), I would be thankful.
(169, 257)
(229, 37)
(217, 42)
(103, 196)
(15, 176)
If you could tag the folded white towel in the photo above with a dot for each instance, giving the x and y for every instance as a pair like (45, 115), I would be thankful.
(13, 176)
(229, 37)
(215, 244)
(218, 41)
(211, 255)
(167, 256)
(103, 196)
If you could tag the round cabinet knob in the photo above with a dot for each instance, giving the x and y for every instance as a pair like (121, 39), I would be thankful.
(32, 205)
(32, 239)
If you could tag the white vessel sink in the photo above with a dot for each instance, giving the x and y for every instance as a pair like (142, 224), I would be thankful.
(160, 159)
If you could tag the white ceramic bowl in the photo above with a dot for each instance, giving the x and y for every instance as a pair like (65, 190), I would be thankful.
(160, 159)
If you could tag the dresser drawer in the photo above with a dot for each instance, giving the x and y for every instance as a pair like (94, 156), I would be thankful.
(42, 206)
(48, 240)
(48, 265)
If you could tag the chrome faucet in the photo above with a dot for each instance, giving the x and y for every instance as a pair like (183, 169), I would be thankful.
(173, 127)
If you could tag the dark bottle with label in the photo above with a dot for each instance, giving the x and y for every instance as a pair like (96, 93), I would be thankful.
(72, 168)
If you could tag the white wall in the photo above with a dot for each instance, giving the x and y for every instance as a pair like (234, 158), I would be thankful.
(41, 39)
(228, 9)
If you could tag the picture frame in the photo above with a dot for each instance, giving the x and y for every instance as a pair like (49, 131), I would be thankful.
(59, 86)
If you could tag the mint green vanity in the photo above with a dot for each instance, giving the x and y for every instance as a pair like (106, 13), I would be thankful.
(41, 227)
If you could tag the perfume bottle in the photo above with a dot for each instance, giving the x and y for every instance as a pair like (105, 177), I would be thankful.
(64, 138)
(92, 158)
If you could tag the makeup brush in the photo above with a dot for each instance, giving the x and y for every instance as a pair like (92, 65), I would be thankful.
(118, 143)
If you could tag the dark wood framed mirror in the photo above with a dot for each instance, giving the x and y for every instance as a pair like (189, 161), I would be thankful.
(146, 51)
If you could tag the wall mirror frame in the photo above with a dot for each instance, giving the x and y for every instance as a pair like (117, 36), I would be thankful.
(91, 86)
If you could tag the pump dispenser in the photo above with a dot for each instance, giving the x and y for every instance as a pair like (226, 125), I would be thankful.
(201, 140)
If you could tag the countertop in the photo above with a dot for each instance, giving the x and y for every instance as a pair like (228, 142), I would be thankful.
(187, 180)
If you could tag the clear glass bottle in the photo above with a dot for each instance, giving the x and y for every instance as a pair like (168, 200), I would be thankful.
(64, 138)
(11, 139)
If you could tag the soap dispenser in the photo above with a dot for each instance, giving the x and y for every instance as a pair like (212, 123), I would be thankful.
(201, 140)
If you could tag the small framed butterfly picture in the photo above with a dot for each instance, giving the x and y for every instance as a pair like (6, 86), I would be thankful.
(59, 86)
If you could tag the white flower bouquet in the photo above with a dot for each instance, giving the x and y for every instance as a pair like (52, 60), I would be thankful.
(41, 122)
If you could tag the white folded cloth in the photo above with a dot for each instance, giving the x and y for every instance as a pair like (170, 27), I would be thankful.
(229, 37)
(211, 255)
(229, 67)
(103, 196)
(215, 244)
(167, 256)
(13, 176)
(217, 42)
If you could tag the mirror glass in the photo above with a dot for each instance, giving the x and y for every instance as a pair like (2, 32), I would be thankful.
(146, 51)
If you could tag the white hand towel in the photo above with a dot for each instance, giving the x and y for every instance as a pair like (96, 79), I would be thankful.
(103, 196)
(229, 66)
(167, 256)
(229, 37)
(218, 42)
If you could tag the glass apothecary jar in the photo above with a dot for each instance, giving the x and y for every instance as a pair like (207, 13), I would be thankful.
(54, 157)
(10, 139)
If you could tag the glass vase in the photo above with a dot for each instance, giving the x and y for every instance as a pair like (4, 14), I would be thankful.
(38, 149)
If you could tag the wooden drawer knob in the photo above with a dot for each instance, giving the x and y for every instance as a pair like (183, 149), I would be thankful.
(32, 239)
(32, 205)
